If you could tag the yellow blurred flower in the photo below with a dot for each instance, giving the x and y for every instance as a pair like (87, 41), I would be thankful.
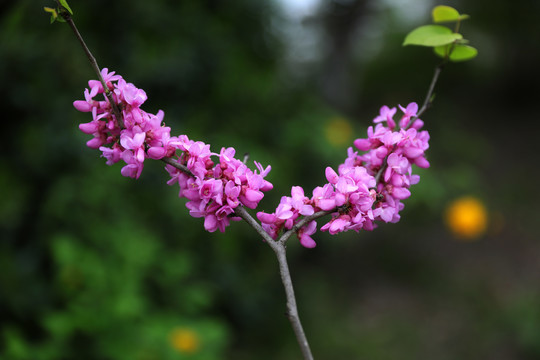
(184, 340)
(338, 131)
(467, 218)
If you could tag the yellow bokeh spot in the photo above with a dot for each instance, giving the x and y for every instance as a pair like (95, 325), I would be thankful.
(467, 218)
(338, 131)
(184, 340)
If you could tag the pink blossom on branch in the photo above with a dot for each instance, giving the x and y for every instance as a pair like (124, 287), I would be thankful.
(366, 188)
(140, 131)
(357, 193)
(216, 190)
(213, 190)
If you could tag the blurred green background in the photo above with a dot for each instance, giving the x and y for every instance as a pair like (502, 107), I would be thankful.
(97, 266)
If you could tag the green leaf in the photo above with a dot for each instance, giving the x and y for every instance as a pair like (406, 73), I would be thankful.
(66, 6)
(53, 13)
(431, 35)
(443, 13)
(458, 52)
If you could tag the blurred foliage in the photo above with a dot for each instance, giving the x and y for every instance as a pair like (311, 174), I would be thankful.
(97, 266)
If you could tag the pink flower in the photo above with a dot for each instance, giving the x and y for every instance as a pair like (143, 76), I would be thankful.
(133, 167)
(337, 225)
(301, 202)
(131, 94)
(304, 235)
(212, 189)
(113, 154)
(386, 114)
(408, 113)
(323, 197)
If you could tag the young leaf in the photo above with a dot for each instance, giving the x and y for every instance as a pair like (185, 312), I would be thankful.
(443, 13)
(53, 13)
(442, 50)
(431, 35)
(459, 52)
(66, 6)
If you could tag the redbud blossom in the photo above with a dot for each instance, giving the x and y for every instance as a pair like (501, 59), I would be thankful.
(213, 191)
(357, 194)
(366, 188)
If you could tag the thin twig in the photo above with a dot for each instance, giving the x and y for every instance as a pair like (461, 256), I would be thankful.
(292, 309)
(241, 212)
(426, 105)
(280, 248)
(429, 96)
(382, 169)
(287, 234)
(177, 165)
(67, 17)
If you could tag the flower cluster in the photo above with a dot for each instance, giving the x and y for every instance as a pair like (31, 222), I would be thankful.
(135, 137)
(213, 191)
(367, 187)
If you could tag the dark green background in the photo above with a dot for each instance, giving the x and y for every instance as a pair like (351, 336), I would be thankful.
(97, 266)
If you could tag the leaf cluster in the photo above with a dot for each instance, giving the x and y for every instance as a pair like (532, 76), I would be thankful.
(446, 43)
(63, 7)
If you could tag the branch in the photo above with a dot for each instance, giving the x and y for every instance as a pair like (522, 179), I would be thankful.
(116, 111)
(292, 310)
(280, 251)
(426, 105)
(177, 165)
(241, 212)
(382, 169)
(67, 17)
(278, 247)
(286, 235)
(429, 96)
